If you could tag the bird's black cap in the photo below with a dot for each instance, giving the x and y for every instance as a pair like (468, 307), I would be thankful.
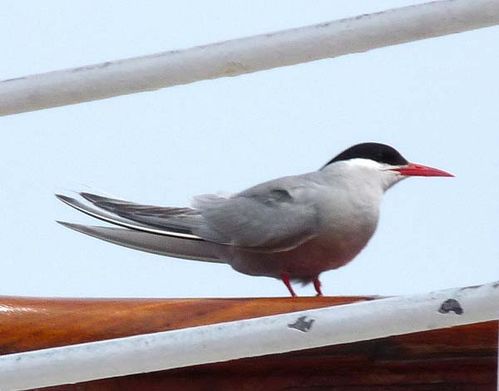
(380, 153)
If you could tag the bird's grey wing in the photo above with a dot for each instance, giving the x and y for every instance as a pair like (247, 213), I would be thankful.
(180, 220)
(108, 217)
(274, 216)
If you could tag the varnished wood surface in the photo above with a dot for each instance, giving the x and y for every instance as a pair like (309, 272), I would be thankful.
(36, 323)
(460, 358)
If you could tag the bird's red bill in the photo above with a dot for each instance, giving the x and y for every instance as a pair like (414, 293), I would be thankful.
(413, 169)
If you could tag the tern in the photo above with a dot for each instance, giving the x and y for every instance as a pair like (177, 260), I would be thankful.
(292, 228)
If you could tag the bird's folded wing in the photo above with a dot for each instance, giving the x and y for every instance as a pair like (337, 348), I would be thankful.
(269, 220)
(179, 220)
(101, 214)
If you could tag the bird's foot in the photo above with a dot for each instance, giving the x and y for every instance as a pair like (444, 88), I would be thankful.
(317, 286)
(285, 279)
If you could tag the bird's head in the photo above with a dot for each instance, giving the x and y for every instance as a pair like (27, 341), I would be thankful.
(375, 160)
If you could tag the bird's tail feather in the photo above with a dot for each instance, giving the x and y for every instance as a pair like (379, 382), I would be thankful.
(177, 247)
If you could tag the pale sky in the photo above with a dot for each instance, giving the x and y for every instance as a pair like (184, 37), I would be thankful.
(436, 101)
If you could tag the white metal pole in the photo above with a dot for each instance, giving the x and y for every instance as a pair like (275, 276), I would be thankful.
(250, 338)
(245, 55)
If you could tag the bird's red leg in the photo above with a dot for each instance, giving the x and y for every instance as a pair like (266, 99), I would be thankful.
(285, 279)
(317, 286)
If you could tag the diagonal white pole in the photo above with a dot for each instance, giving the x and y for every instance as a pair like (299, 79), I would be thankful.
(246, 55)
(250, 338)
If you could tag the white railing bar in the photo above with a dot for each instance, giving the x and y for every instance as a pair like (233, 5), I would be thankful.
(250, 338)
(245, 55)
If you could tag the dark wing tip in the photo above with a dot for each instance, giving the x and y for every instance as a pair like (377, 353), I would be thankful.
(91, 197)
(65, 199)
(99, 200)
